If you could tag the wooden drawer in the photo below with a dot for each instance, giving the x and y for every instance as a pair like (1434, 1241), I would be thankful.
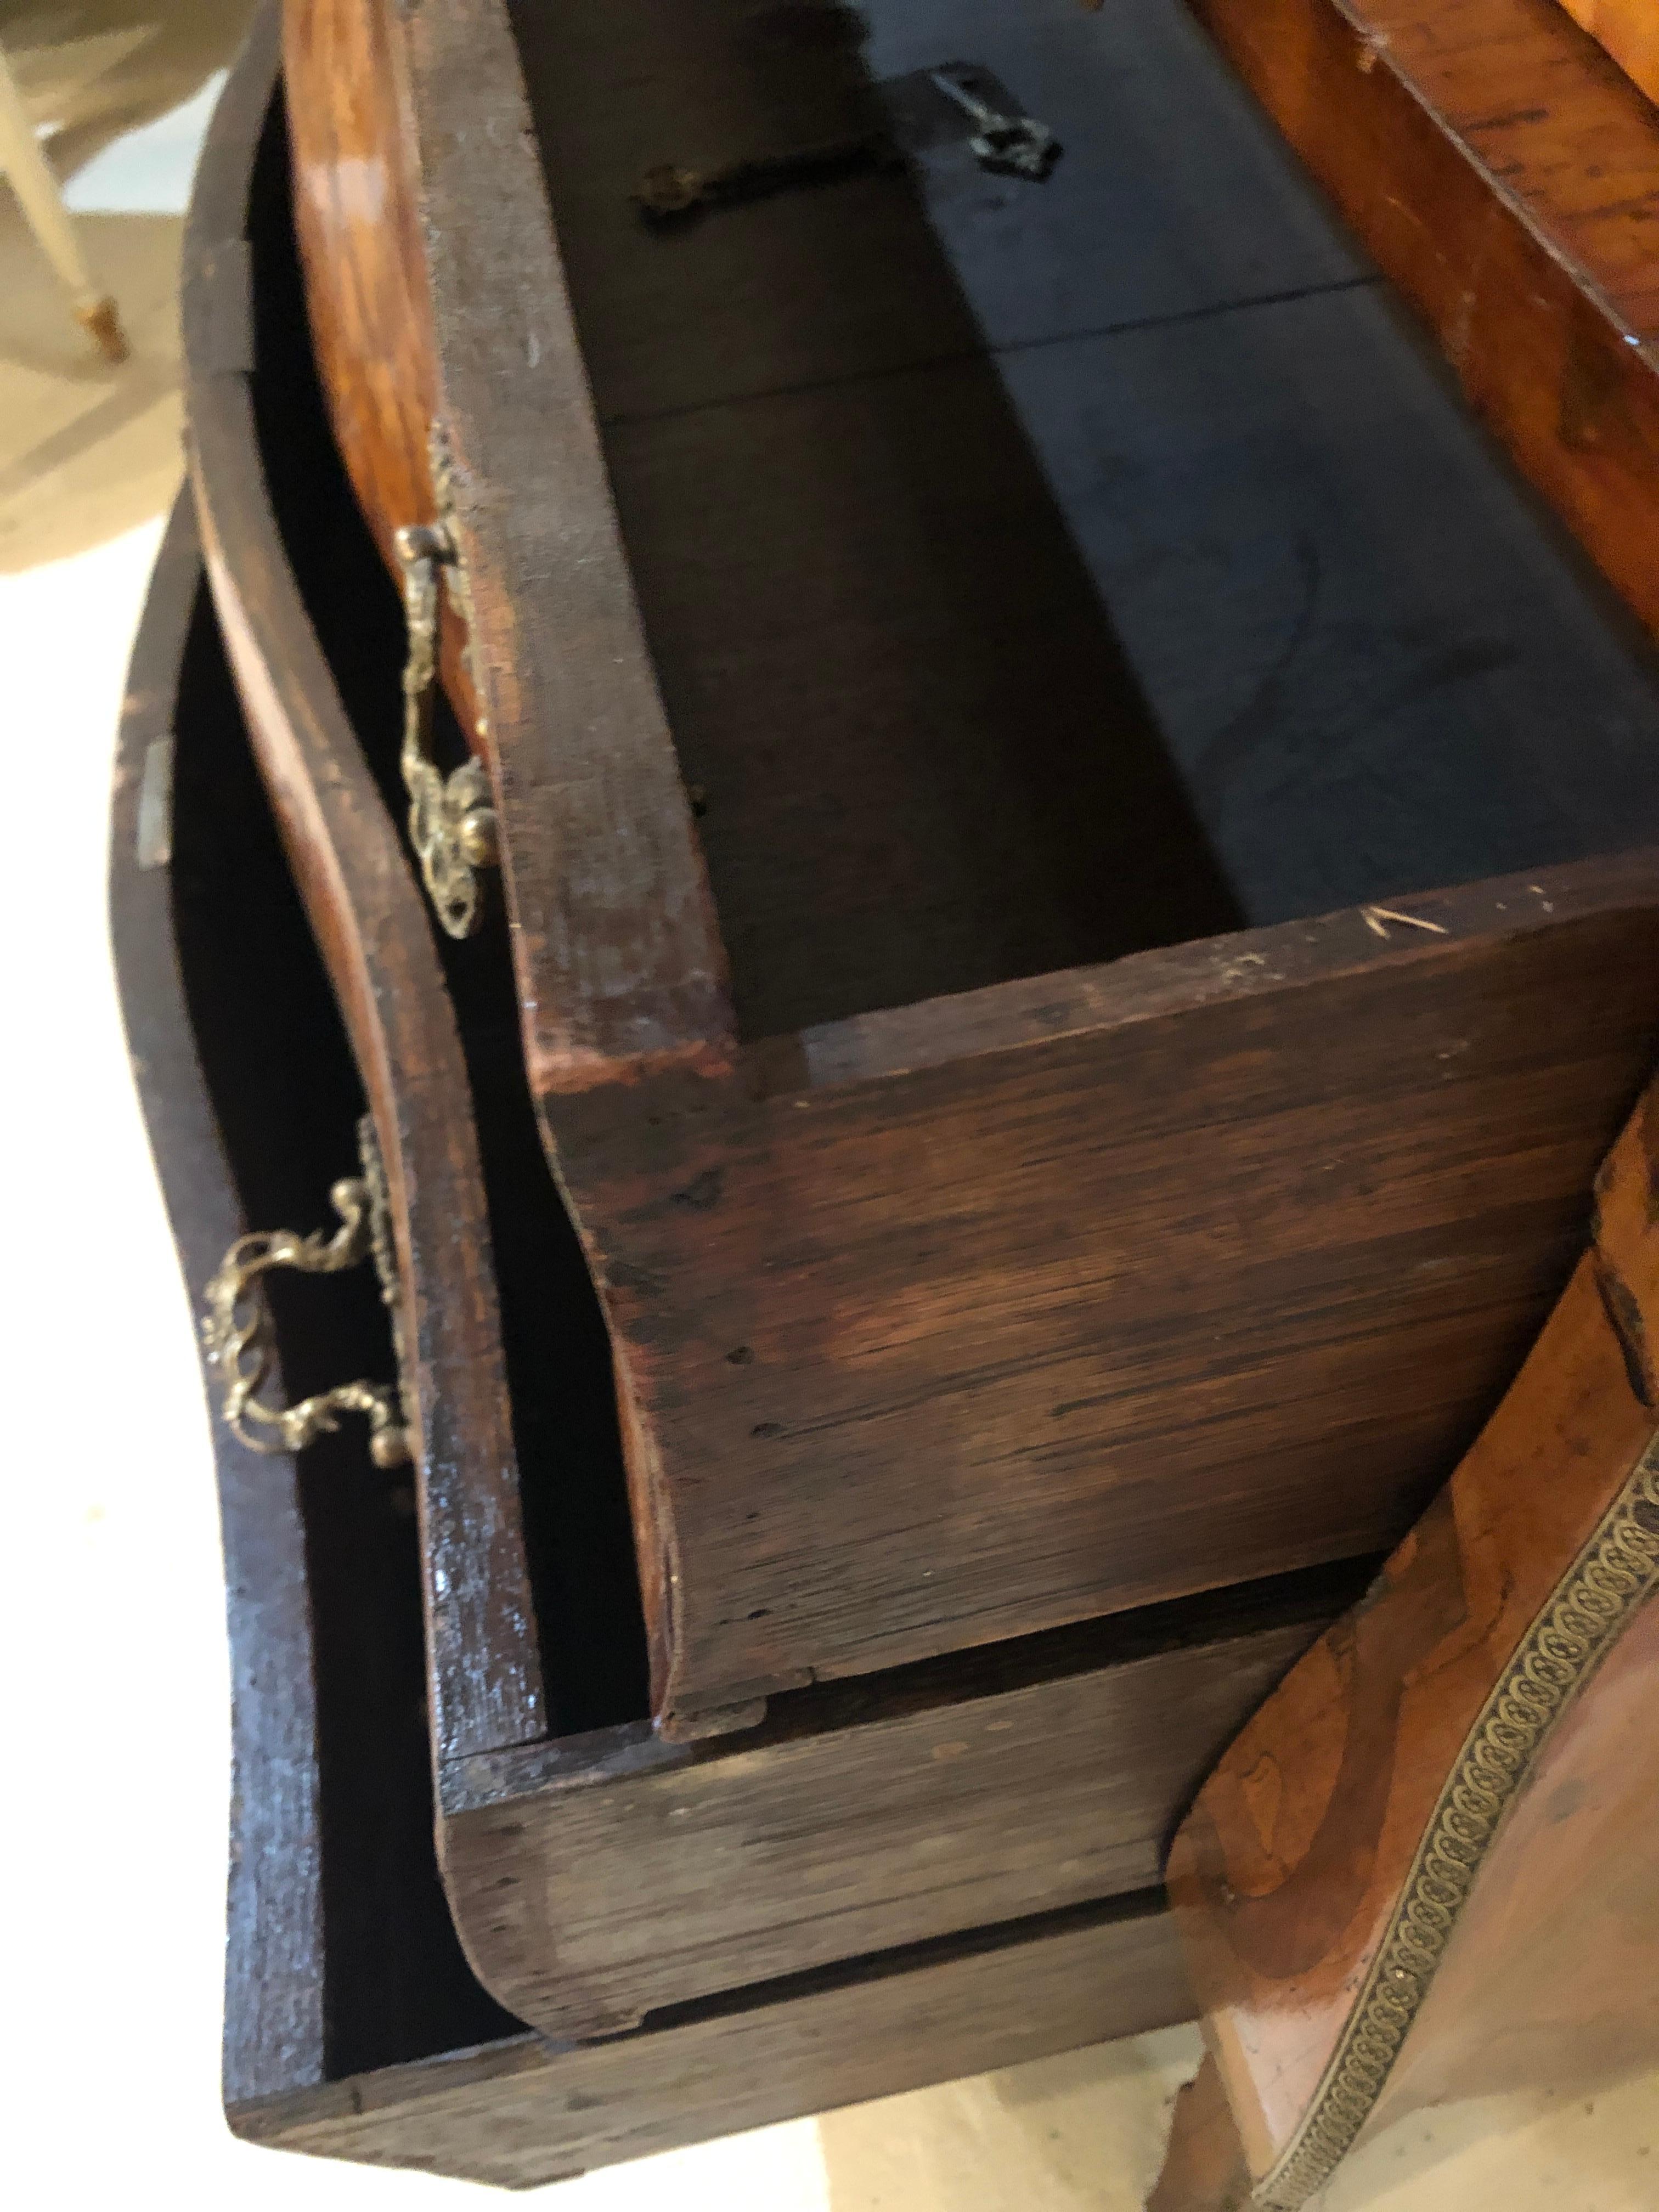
(597, 1871)
(986, 1243)
(354, 2027)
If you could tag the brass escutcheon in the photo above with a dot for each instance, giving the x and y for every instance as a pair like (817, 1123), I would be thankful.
(451, 822)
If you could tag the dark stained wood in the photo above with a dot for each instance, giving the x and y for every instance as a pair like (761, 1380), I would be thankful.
(525, 2111)
(1145, 1282)
(960, 1319)
(341, 1953)
(1630, 32)
(598, 1877)
(1288, 1874)
(271, 2033)
(355, 2032)
(1506, 176)
(367, 914)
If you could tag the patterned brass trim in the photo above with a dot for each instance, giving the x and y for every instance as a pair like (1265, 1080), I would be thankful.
(1615, 1574)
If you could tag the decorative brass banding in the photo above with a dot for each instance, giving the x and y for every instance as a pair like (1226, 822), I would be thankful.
(236, 1327)
(1616, 1572)
(452, 822)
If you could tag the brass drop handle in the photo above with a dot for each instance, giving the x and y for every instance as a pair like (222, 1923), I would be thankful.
(237, 1335)
(451, 822)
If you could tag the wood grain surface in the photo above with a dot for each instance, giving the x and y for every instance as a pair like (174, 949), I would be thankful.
(367, 911)
(521, 2112)
(1506, 176)
(1180, 1290)
(630, 1928)
(1287, 1875)
(1630, 32)
(353, 2029)
(1547, 1984)
(597, 1878)
(895, 1374)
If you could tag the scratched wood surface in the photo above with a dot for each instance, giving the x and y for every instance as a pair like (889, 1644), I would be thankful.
(893, 1375)
(1076, 1753)
(597, 1878)
(353, 2026)
(1630, 32)
(1290, 1875)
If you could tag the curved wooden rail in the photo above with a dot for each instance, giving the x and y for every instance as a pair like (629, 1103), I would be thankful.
(369, 919)
(1424, 1871)
(438, 299)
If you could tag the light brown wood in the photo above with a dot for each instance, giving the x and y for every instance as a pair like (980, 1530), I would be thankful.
(1296, 1870)
(1204, 2170)
(1506, 177)
(1629, 30)
(358, 224)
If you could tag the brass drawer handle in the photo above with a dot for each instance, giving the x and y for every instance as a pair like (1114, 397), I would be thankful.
(452, 824)
(236, 1327)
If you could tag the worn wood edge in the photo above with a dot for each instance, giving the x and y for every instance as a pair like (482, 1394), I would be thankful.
(1299, 1604)
(621, 970)
(1580, 490)
(1615, 1573)
(1425, 930)
(396, 335)
(366, 909)
(776, 2051)
(273, 2025)
(1088, 1821)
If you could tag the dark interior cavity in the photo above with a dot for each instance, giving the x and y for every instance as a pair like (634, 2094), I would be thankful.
(1040, 572)
(286, 1099)
(579, 1536)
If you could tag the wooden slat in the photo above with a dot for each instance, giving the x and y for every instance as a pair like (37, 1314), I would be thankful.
(599, 1878)
(524, 2112)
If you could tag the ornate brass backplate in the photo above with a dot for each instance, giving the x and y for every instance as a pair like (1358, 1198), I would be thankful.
(237, 1332)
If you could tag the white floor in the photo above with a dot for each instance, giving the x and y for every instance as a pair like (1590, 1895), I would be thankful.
(115, 1759)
